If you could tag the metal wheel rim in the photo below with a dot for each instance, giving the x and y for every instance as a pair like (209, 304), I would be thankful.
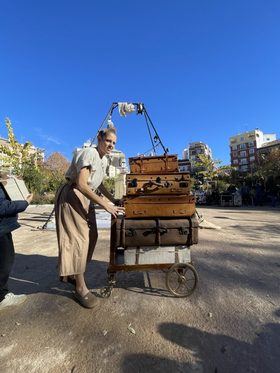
(181, 279)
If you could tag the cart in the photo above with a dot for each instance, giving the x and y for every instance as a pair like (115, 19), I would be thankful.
(181, 278)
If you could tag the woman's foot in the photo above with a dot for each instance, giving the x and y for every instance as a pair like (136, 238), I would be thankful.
(87, 301)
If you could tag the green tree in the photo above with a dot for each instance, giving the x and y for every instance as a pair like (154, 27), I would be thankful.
(15, 155)
(109, 183)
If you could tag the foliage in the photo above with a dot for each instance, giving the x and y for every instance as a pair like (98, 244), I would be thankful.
(57, 162)
(15, 155)
(269, 165)
(41, 179)
(109, 183)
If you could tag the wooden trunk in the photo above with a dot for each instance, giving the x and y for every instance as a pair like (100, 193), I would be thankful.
(156, 164)
(143, 184)
(159, 206)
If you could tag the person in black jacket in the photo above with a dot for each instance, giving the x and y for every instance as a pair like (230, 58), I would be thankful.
(8, 222)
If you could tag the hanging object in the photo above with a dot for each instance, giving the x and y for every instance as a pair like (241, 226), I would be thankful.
(110, 124)
(125, 108)
(140, 108)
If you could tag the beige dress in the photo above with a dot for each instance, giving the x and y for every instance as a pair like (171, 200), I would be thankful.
(75, 216)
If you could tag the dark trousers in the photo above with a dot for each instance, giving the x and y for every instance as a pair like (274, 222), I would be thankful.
(7, 254)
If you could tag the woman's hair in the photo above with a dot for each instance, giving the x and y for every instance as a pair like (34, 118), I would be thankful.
(102, 133)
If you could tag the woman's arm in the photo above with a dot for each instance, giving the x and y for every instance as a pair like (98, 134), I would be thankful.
(10, 208)
(83, 187)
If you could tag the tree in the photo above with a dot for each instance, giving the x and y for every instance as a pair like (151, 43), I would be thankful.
(15, 155)
(268, 168)
(206, 170)
(57, 162)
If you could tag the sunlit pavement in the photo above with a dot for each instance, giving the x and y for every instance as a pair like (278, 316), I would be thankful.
(229, 324)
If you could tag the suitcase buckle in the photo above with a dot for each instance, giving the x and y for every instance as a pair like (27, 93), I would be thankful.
(183, 231)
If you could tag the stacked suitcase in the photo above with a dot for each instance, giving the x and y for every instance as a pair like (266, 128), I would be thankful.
(159, 225)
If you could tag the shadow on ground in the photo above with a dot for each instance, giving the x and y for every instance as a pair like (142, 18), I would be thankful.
(38, 273)
(212, 352)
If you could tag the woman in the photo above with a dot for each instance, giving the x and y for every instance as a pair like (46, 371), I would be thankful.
(75, 215)
(8, 223)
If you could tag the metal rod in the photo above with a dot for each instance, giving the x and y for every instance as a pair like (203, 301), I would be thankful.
(149, 130)
(151, 123)
(113, 106)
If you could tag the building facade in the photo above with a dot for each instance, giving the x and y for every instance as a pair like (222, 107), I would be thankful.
(190, 160)
(195, 150)
(243, 148)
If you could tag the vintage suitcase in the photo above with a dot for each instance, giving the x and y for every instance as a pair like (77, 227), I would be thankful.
(173, 183)
(154, 232)
(156, 164)
(159, 206)
(157, 255)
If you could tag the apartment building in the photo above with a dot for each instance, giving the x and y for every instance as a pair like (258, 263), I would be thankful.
(243, 148)
(195, 150)
(191, 156)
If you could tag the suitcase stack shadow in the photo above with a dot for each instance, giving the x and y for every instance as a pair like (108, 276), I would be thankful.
(160, 223)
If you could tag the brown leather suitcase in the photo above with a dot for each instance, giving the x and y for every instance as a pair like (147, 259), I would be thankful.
(155, 232)
(173, 183)
(156, 164)
(159, 206)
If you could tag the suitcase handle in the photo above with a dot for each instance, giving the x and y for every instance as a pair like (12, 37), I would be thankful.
(130, 232)
(161, 231)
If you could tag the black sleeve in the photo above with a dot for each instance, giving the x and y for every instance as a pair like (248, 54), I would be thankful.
(11, 208)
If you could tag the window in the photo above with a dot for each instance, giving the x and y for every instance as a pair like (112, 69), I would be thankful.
(242, 146)
(251, 151)
(234, 154)
(234, 147)
(241, 138)
(243, 153)
(243, 161)
(235, 161)
(252, 159)
(251, 144)
(244, 168)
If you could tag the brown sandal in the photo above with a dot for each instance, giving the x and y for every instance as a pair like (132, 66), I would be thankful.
(88, 301)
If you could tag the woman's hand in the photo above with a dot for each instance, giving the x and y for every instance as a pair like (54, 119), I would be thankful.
(119, 202)
(29, 198)
(114, 210)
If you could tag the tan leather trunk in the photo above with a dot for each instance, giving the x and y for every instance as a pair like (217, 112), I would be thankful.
(159, 206)
(156, 164)
(143, 184)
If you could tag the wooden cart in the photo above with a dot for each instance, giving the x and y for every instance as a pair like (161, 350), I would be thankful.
(181, 277)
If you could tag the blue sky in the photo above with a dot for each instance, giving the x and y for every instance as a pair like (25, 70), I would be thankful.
(206, 70)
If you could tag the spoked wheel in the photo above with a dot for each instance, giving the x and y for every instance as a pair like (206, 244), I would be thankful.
(181, 279)
(107, 290)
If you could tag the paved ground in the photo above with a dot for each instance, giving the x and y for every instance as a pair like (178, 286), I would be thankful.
(230, 324)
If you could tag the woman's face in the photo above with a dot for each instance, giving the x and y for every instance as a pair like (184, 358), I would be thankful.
(107, 144)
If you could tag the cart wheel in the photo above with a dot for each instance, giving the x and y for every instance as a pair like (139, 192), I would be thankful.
(112, 278)
(107, 290)
(181, 279)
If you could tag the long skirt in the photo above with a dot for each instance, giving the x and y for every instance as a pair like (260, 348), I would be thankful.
(76, 230)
